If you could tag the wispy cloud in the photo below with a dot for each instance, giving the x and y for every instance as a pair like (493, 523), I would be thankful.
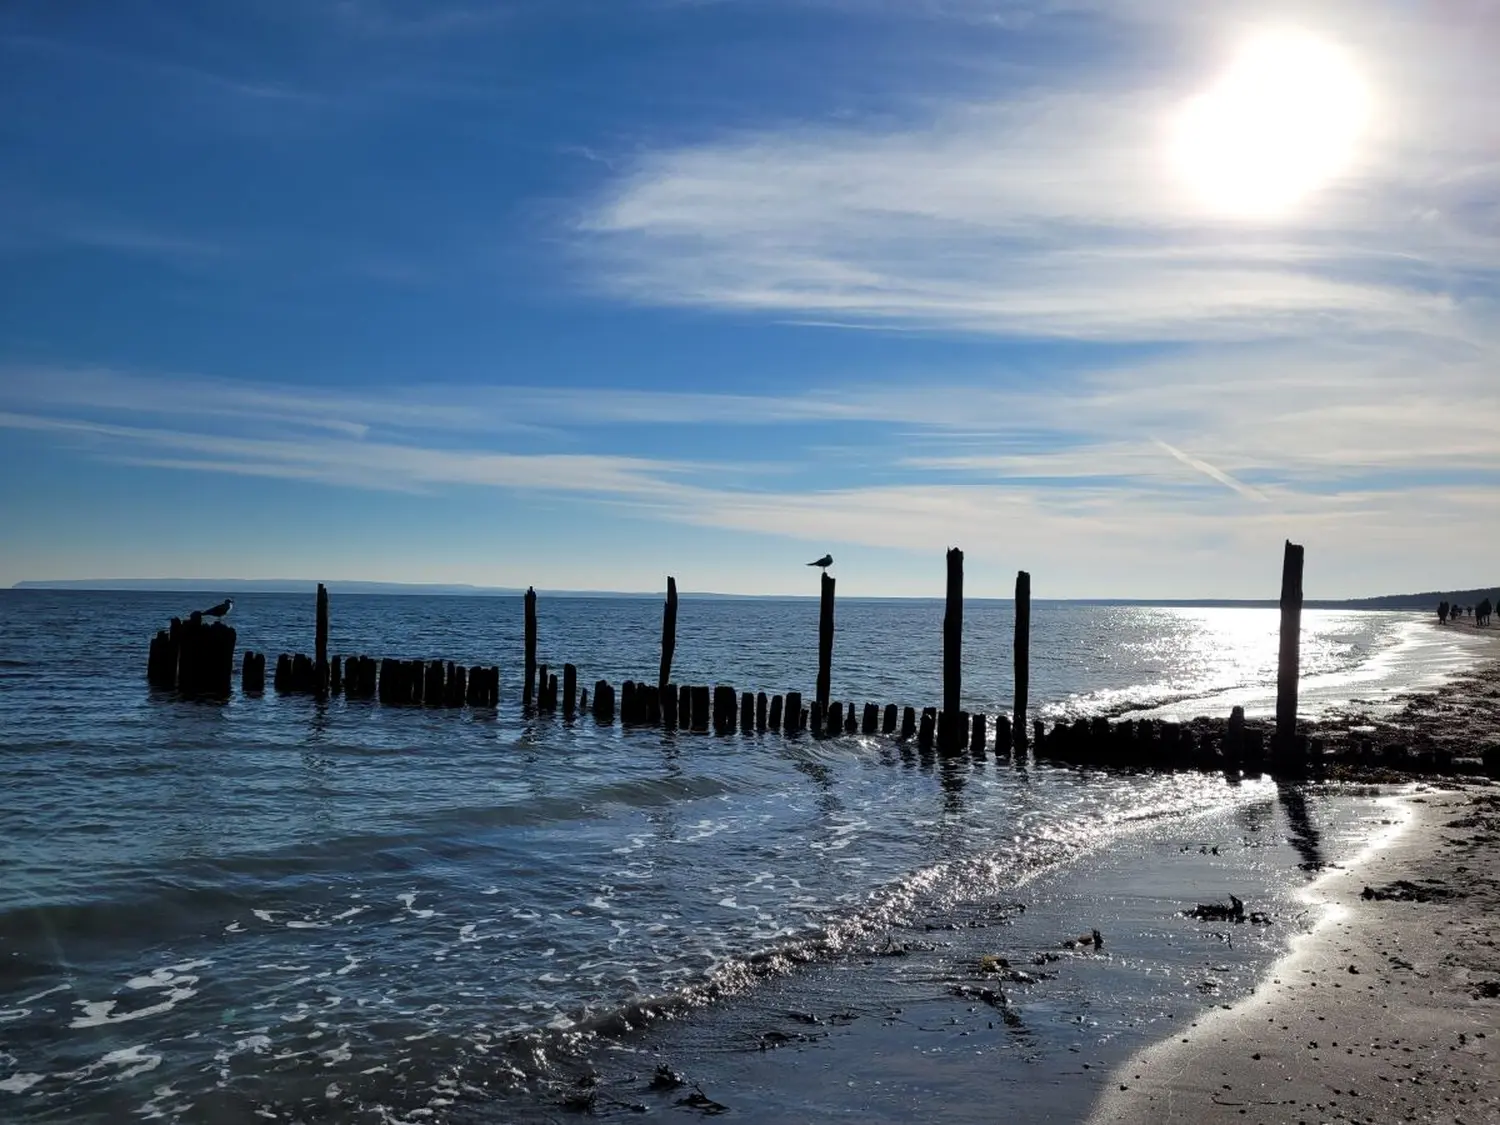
(1052, 210)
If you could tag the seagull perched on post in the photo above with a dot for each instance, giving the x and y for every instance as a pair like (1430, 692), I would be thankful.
(824, 563)
(221, 609)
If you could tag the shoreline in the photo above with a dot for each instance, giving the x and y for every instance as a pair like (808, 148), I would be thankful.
(1384, 1011)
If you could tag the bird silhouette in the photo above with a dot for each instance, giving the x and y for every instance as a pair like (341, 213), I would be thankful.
(824, 563)
(221, 609)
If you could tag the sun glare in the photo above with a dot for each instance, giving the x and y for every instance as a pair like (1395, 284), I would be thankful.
(1282, 121)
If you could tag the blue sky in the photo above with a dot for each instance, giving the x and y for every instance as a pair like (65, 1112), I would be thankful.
(585, 292)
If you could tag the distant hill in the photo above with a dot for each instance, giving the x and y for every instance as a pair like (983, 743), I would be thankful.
(219, 586)
(1422, 601)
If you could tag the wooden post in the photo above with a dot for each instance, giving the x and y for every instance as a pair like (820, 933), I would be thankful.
(747, 713)
(835, 719)
(570, 690)
(669, 696)
(978, 735)
(551, 693)
(604, 705)
(1288, 669)
(458, 685)
(760, 711)
(819, 719)
(701, 702)
(872, 719)
(888, 726)
(924, 735)
(433, 689)
(1022, 657)
(668, 635)
(825, 644)
(774, 719)
(1004, 740)
(530, 680)
(684, 706)
(953, 643)
(541, 687)
(793, 712)
(320, 643)
(253, 674)
(908, 723)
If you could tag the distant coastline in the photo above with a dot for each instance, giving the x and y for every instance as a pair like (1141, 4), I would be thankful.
(1414, 602)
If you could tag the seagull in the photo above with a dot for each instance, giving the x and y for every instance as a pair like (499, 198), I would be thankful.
(221, 609)
(824, 563)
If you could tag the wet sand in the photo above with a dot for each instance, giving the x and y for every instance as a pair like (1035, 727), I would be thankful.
(1388, 1010)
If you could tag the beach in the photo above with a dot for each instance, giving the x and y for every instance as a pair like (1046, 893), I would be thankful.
(1388, 1009)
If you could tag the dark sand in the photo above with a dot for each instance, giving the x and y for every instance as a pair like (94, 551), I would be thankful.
(1389, 1009)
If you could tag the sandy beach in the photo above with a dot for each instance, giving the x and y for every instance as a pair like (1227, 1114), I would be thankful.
(1388, 1010)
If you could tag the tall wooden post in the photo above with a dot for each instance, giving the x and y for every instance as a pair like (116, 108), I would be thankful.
(1289, 668)
(1023, 657)
(530, 680)
(825, 644)
(953, 642)
(320, 649)
(668, 636)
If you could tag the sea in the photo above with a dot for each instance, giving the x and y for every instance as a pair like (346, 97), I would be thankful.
(284, 909)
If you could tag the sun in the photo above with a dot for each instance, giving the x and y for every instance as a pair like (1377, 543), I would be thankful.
(1284, 119)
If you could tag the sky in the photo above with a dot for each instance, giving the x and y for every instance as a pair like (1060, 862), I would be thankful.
(582, 293)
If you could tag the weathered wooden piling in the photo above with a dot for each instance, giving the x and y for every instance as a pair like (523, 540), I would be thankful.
(669, 698)
(724, 704)
(1022, 658)
(701, 706)
(794, 721)
(825, 644)
(835, 719)
(1289, 665)
(773, 720)
(668, 636)
(908, 723)
(570, 690)
(604, 702)
(336, 676)
(432, 689)
(819, 719)
(205, 658)
(871, 721)
(458, 684)
(320, 644)
(747, 713)
(161, 663)
(978, 734)
(953, 643)
(1003, 738)
(760, 711)
(541, 687)
(552, 693)
(851, 724)
(685, 706)
(530, 674)
(253, 673)
(889, 724)
(925, 731)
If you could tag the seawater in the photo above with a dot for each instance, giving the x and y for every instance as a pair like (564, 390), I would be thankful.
(277, 909)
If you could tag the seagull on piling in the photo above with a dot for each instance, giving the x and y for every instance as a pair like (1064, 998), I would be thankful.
(221, 609)
(824, 563)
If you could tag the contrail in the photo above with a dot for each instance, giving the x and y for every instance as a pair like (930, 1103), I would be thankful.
(1217, 474)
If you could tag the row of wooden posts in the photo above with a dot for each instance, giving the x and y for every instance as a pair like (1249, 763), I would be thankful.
(197, 659)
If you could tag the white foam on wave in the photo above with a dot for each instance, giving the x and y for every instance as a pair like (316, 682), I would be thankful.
(408, 900)
(19, 1083)
(175, 981)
